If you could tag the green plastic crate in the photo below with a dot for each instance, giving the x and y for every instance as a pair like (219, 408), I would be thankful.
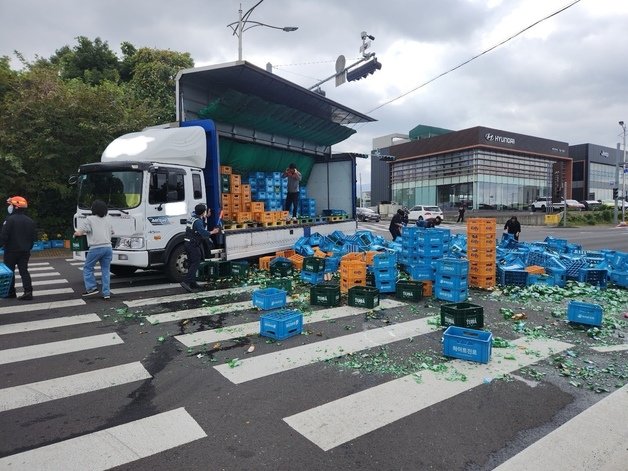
(466, 315)
(314, 264)
(325, 294)
(409, 290)
(281, 268)
(78, 244)
(363, 296)
(240, 268)
(210, 269)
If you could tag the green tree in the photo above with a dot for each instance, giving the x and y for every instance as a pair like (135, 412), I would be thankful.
(91, 61)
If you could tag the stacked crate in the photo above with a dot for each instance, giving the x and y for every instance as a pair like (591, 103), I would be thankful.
(421, 248)
(385, 271)
(451, 280)
(482, 252)
(235, 197)
(352, 271)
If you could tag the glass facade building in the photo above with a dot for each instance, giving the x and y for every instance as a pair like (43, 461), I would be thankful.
(595, 171)
(480, 167)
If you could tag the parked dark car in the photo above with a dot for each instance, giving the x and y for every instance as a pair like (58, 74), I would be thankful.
(590, 205)
(366, 214)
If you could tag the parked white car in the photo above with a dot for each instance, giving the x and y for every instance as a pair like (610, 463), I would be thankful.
(420, 212)
(611, 203)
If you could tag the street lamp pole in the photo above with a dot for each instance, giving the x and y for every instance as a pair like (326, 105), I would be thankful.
(623, 185)
(243, 24)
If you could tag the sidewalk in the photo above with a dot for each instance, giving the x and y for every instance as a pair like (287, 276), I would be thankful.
(52, 253)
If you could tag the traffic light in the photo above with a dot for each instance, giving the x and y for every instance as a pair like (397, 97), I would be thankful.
(615, 193)
(364, 70)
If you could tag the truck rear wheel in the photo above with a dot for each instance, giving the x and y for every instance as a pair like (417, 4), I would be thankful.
(177, 266)
(122, 270)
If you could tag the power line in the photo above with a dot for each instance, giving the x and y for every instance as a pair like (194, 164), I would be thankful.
(474, 57)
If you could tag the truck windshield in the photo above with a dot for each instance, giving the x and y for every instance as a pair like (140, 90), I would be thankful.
(120, 189)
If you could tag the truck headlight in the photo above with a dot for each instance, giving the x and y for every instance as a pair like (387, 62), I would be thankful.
(131, 243)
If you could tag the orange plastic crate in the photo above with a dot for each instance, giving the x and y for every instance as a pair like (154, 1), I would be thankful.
(353, 256)
(246, 189)
(352, 268)
(481, 225)
(427, 287)
(481, 237)
(285, 253)
(235, 180)
(264, 262)
(368, 256)
(284, 215)
(264, 217)
(246, 199)
(482, 268)
(226, 198)
(481, 244)
(481, 281)
(225, 169)
(535, 270)
(482, 254)
(297, 261)
(235, 189)
(226, 215)
(256, 207)
(227, 208)
(346, 283)
(243, 216)
(319, 253)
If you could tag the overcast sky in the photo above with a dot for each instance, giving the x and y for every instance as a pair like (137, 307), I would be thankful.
(564, 79)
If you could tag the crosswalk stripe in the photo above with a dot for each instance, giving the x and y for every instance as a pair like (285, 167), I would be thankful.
(272, 363)
(611, 348)
(251, 328)
(38, 264)
(46, 268)
(353, 416)
(39, 275)
(44, 282)
(187, 296)
(72, 385)
(594, 439)
(136, 289)
(31, 352)
(40, 306)
(174, 316)
(112, 447)
(48, 323)
(51, 292)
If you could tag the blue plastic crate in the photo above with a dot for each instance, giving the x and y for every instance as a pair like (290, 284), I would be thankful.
(453, 282)
(430, 251)
(6, 276)
(584, 313)
(385, 260)
(46, 244)
(620, 278)
(385, 274)
(452, 266)
(421, 272)
(57, 244)
(559, 275)
(280, 325)
(593, 276)
(467, 344)
(543, 280)
(452, 295)
(38, 246)
(312, 277)
(269, 298)
(512, 277)
(386, 286)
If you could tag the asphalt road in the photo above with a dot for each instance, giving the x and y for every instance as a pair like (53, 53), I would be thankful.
(160, 379)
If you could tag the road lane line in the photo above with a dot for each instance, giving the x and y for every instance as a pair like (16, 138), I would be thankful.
(284, 360)
(40, 306)
(187, 296)
(40, 275)
(44, 282)
(42, 350)
(52, 292)
(611, 348)
(48, 323)
(38, 264)
(252, 328)
(353, 416)
(594, 439)
(72, 385)
(112, 447)
(46, 268)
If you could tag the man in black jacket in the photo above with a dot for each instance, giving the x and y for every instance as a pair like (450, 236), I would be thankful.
(513, 227)
(17, 237)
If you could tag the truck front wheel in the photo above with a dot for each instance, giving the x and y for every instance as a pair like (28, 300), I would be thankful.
(177, 266)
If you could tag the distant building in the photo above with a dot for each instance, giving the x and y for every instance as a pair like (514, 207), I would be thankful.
(480, 167)
(594, 171)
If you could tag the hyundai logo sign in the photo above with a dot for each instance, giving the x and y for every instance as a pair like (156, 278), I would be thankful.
(490, 137)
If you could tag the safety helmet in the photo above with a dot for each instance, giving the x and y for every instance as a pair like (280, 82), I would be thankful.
(18, 201)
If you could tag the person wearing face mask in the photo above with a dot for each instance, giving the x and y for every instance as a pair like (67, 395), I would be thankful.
(17, 236)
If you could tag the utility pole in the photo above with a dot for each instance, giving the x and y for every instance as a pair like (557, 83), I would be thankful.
(623, 185)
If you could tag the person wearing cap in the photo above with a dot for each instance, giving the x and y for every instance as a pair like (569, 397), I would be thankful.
(195, 233)
(17, 236)
(292, 198)
(98, 229)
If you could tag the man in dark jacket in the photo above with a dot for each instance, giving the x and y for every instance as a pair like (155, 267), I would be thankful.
(17, 237)
(513, 227)
(195, 233)
(396, 224)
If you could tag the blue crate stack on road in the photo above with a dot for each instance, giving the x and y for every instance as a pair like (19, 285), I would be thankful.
(451, 281)
(6, 276)
(421, 248)
(385, 272)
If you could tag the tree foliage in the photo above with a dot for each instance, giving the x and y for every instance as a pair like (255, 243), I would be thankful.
(62, 112)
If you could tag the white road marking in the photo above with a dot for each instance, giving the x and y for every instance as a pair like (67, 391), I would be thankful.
(40, 306)
(72, 385)
(353, 416)
(174, 316)
(187, 296)
(284, 360)
(31, 352)
(136, 289)
(48, 323)
(594, 439)
(46, 268)
(37, 264)
(44, 282)
(112, 447)
(51, 292)
(39, 275)
(252, 328)
(611, 348)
